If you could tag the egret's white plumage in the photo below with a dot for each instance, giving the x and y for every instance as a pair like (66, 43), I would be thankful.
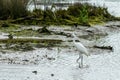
(81, 48)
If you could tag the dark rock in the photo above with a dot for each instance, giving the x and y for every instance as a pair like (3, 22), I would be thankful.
(50, 58)
(37, 55)
(25, 60)
(35, 72)
(52, 75)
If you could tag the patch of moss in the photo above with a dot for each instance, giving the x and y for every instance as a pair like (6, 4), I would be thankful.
(9, 29)
(25, 33)
(31, 40)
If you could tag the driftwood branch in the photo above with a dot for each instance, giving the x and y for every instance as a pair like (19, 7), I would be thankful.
(104, 47)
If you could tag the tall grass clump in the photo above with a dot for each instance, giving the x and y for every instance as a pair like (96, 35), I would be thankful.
(13, 9)
(83, 18)
(89, 14)
(81, 14)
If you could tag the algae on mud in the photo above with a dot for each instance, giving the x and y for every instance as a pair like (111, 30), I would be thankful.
(24, 44)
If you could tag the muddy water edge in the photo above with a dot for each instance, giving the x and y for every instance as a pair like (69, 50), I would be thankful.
(59, 38)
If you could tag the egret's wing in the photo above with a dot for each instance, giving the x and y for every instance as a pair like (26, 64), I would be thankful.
(80, 47)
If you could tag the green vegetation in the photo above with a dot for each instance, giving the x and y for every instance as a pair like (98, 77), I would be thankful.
(81, 14)
(25, 33)
(9, 28)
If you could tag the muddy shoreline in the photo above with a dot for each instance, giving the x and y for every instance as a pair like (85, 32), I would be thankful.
(89, 36)
(56, 61)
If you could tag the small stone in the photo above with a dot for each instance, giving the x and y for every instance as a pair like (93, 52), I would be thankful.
(35, 72)
(25, 60)
(52, 75)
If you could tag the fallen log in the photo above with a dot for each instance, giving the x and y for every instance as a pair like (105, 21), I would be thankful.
(104, 47)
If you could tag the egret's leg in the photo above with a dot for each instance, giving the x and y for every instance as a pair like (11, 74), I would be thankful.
(78, 61)
(81, 60)
(80, 57)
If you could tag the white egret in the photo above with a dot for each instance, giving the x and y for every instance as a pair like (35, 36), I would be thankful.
(81, 48)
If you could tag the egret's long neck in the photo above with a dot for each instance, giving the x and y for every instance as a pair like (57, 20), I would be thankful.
(74, 40)
(74, 37)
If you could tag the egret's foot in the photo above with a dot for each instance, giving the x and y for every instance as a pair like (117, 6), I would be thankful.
(85, 66)
(80, 66)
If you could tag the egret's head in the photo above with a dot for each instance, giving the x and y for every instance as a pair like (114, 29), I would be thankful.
(74, 36)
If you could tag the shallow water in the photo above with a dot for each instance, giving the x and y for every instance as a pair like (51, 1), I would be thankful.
(64, 67)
